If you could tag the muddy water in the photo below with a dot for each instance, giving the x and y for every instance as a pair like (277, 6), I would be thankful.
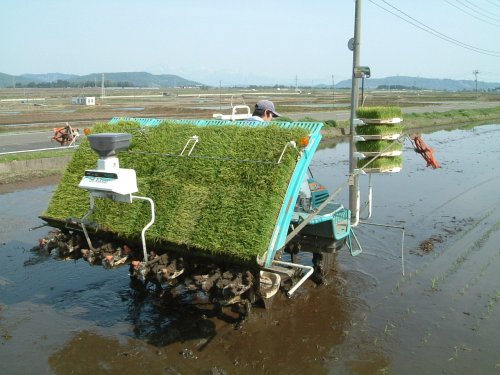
(442, 316)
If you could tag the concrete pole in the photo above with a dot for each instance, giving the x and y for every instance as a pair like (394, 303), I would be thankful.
(476, 72)
(354, 199)
(103, 92)
(333, 90)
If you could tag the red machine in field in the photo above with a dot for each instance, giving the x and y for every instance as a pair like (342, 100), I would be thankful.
(65, 135)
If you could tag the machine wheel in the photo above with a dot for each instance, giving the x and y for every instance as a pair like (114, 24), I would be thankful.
(269, 285)
(323, 266)
(337, 245)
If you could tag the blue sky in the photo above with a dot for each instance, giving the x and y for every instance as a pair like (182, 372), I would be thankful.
(249, 42)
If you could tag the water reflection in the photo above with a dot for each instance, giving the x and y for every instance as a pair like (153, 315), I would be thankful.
(163, 321)
(188, 334)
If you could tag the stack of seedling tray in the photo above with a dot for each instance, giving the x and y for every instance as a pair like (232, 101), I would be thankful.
(377, 147)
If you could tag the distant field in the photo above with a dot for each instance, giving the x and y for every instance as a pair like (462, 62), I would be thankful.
(19, 106)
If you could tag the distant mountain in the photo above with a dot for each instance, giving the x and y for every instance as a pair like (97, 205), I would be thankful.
(49, 77)
(137, 79)
(143, 79)
(423, 83)
(6, 80)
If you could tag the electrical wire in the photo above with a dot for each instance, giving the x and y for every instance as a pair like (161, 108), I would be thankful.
(478, 9)
(439, 33)
(494, 3)
(472, 15)
(434, 32)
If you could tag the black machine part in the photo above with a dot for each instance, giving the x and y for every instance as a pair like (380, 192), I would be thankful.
(108, 144)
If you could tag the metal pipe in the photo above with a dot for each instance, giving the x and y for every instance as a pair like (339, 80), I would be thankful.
(291, 144)
(39, 226)
(83, 224)
(143, 233)
(193, 140)
(296, 265)
(354, 182)
(402, 253)
(351, 246)
(313, 214)
(402, 240)
(370, 195)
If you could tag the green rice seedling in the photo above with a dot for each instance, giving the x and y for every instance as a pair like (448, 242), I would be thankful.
(223, 199)
(435, 283)
(426, 338)
(383, 163)
(385, 129)
(388, 328)
(378, 146)
(380, 113)
(330, 123)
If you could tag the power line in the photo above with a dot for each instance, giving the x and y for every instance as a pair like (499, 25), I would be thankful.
(494, 3)
(455, 41)
(481, 11)
(434, 32)
(471, 14)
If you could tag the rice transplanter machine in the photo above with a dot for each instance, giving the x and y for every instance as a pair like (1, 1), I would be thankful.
(307, 221)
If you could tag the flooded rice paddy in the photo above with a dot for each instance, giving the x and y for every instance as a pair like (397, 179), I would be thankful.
(441, 317)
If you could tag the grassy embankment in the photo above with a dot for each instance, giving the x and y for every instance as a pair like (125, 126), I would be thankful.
(35, 155)
(439, 120)
(17, 168)
(456, 117)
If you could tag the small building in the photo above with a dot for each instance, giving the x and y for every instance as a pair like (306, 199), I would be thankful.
(83, 100)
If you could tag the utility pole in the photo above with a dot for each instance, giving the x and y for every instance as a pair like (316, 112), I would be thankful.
(220, 95)
(103, 93)
(475, 72)
(333, 89)
(354, 199)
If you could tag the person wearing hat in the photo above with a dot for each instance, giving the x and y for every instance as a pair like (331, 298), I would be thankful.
(264, 111)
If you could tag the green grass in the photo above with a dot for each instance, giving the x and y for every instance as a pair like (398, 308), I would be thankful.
(377, 146)
(384, 162)
(307, 119)
(379, 129)
(212, 201)
(381, 113)
(469, 117)
(283, 119)
(330, 123)
(35, 155)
